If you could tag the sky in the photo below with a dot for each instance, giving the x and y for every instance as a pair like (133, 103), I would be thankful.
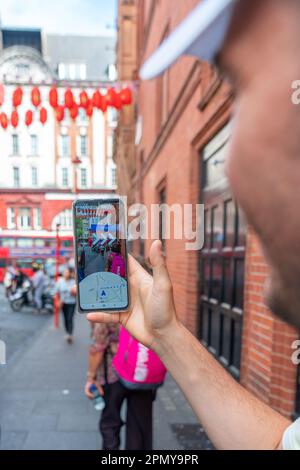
(84, 17)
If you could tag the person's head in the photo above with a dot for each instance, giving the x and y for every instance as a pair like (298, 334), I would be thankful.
(68, 274)
(35, 267)
(116, 247)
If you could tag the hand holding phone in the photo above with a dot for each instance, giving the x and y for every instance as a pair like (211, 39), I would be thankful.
(101, 255)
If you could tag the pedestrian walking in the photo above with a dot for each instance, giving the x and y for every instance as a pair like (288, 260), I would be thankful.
(66, 289)
(10, 273)
(81, 262)
(38, 283)
(124, 370)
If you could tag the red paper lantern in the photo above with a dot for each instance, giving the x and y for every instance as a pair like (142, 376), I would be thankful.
(118, 102)
(43, 115)
(35, 97)
(74, 111)
(111, 96)
(97, 99)
(4, 120)
(89, 110)
(53, 97)
(17, 97)
(69, 99)
(60, 113)
(28, 118)
(84, 99)
(126, 96)
(103, 104)
(14, 119)
(2, 94)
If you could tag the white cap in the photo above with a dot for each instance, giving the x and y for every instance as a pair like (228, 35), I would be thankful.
(201, 34)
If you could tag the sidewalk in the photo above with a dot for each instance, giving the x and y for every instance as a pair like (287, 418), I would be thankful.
(42, 405)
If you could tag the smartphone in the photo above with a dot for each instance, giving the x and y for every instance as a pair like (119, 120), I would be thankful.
(101, 255)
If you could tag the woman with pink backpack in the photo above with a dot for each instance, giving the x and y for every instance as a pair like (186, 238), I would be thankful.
(133, 374)
(115, 261)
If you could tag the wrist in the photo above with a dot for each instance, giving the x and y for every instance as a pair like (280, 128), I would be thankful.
(165, 341)
(91, 376)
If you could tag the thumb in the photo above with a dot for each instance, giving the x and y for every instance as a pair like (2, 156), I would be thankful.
(158, 262)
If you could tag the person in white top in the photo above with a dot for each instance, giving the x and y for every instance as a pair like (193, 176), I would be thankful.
(256, 44)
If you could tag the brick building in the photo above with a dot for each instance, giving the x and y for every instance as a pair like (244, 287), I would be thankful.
(182, 131)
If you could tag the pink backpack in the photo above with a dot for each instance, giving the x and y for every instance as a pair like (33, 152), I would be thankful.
(118, 265)
(136, 365)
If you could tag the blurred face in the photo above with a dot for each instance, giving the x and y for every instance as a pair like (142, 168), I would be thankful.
(66, 274)
(263, 164)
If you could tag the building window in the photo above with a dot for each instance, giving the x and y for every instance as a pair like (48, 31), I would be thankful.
(11, 218)
(65, 146)
(22, 71)
(34, 176)
(62, 71)
(65, 177)
(82, 68)
(37, 220)
(83, 146)
(34, 145)
(83, 177)
(16, 177)
(82, 115)
(110, 146)
(25, 218)
(15, 144)
(64, 219)
(162, 217)
(72, 71)
(114, 176)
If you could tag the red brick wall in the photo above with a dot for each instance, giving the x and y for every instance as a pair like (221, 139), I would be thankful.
(172, 154)
(267, 369)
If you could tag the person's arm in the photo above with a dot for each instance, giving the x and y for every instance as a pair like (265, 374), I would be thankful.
(94, 363)
(97, 350)
(231, 416)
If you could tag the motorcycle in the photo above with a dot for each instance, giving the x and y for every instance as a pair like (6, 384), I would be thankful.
(23, 296)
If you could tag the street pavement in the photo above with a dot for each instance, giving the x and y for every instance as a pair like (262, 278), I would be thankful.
(94, 262)
(42, 405)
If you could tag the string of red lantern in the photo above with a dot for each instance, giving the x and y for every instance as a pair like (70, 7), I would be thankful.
(112, 98)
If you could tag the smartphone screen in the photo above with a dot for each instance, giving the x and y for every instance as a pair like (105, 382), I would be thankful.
(101, 255)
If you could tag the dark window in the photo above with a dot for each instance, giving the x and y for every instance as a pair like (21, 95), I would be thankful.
(227, 281)
(19, 37)
(16, 177)
(238, 283)
(217, 227)
(230, 223)
(221, 262)
(162, 217)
